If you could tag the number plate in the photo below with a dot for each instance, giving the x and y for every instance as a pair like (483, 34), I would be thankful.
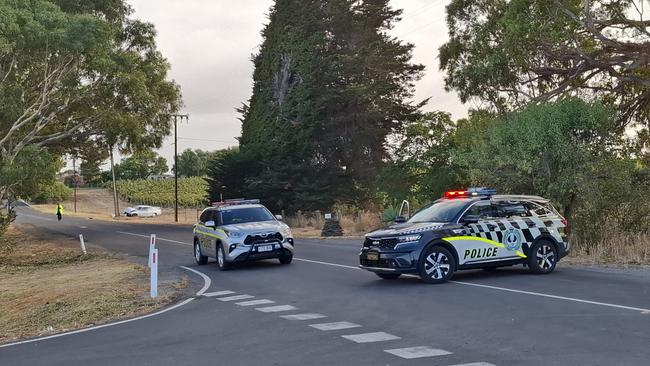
(264, 248)
(372, 256)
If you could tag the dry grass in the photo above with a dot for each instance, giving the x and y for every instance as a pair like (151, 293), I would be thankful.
(48, 287)
(310, 224)
(616, 248)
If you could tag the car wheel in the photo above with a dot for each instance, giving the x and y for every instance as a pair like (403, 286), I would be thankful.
(389, 276)
(543, 257)
(134, 214)
(286, 259)
(437, 265)
(221, 259)
(200, 258)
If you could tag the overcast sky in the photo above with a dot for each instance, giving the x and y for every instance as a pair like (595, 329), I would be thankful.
(209, 44)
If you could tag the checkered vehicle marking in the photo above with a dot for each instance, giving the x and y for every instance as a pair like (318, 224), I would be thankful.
(531, 228)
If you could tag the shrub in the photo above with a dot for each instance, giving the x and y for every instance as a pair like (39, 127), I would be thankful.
(53, 193)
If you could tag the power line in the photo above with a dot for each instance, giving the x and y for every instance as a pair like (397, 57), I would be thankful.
(210, 140)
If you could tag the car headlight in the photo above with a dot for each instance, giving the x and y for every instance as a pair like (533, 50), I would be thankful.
(286, 232)
(234, 234)
(409, 238)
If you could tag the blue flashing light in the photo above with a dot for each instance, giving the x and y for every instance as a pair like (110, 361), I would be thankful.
(481, 191)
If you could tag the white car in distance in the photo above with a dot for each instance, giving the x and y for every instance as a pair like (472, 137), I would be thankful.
(143, 211)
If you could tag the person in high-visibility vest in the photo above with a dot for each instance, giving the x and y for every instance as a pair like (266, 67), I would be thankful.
(59, 211)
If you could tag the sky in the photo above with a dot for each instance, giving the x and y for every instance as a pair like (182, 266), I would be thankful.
(209, 44)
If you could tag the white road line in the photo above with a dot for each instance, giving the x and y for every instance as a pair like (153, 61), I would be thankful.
(417, 352)
(275, 309)
(255, 302)
(335, 326)
(206, 285)
(307, 316)
(642, 310)
(218, 293)
(325, 263)
(158, 238)
(475, 364)
(553, 296)
(370, 337)
(235, 298)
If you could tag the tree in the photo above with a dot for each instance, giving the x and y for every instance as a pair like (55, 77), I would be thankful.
(420, 168)
(75, 73)
(508, 53)
(565, 151)
(329, 85)
(30, 172)
(141, 165)
(195, 163)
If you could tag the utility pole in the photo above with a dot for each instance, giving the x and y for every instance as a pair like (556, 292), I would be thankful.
(116, 204)
(74, 169)
(176, 117)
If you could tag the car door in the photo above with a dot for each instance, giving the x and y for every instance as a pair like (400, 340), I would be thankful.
(519, 229)
(201, 230)
(483, 240)
(209, 241)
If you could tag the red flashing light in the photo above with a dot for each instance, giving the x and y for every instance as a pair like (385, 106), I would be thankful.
(455, 194)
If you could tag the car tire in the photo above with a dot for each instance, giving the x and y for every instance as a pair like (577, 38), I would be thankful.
(543, 257)
(222, 263)
(436, 265)
(388, 276)
(286, 259)
(198, 256)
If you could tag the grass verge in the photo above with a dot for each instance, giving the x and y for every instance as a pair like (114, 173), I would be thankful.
(48, 286)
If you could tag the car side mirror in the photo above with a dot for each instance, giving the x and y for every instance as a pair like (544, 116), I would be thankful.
(210, 224)
(470, 219)
(278, 217)
(400, 219)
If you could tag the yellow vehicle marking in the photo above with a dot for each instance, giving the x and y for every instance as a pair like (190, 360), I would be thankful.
(484, 240)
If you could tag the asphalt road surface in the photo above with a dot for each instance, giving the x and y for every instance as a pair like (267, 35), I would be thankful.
(322, 310)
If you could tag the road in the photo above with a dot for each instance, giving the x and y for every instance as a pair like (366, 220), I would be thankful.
(322, 310)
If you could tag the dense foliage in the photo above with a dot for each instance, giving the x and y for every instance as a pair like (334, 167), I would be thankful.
(141, 165)
(509, 53)
(196, 163)
(192, 192)
(329, 86)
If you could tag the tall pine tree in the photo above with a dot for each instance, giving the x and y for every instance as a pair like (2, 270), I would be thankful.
(329, 85)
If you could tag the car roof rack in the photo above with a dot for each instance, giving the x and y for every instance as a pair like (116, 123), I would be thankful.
(235, 202)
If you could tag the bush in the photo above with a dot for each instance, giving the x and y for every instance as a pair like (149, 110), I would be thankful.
(54, 193)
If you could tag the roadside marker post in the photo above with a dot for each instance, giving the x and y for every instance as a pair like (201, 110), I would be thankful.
(83, 244)
(152, 246)
(154, 274)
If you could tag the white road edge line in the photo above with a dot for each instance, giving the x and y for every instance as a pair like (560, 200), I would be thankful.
(553, 296)
(642, 310)
(206, 285)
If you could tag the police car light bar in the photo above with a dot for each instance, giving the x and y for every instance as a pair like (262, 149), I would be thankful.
(474, 191)
(233, 202)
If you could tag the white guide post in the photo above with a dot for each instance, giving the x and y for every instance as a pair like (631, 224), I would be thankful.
(83, 244)
(154, 274)
(152, 246)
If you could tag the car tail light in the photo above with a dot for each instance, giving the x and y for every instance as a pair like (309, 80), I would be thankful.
(565, 222)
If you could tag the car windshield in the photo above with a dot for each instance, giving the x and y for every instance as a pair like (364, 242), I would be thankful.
(244, 215)
(440, 211)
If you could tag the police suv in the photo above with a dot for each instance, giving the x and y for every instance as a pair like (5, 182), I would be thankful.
(241, 230)
(469, 229)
